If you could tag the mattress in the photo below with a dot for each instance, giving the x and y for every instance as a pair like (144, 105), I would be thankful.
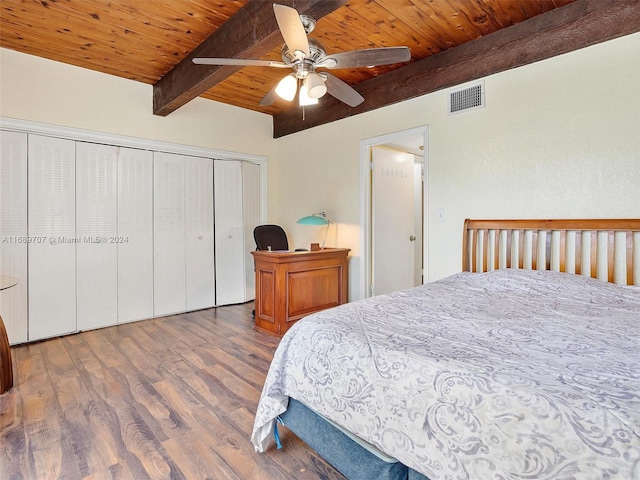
(354, 458)
(505, 374)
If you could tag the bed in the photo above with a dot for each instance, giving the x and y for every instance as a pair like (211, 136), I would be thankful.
(526, 365)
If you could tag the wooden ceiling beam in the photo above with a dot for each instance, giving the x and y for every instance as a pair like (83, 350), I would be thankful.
(250, 33)
(571, 27)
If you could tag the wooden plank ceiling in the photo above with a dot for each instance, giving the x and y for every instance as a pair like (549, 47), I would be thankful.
(145, 41)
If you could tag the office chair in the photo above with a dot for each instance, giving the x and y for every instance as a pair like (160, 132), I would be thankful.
(270, 236)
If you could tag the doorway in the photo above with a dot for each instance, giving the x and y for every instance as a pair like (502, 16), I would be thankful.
(394, 211)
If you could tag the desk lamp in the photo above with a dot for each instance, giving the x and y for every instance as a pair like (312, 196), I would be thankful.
(318, 219)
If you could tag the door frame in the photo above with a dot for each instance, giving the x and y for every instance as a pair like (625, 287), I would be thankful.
(365, 200)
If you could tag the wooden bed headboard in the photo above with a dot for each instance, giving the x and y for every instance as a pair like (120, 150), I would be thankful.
(607, 249)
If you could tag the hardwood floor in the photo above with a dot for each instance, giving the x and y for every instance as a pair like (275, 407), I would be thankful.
(172, 397)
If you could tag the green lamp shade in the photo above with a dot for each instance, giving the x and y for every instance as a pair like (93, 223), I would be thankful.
(313, 220)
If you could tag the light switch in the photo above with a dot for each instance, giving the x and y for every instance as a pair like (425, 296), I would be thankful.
(440, 216)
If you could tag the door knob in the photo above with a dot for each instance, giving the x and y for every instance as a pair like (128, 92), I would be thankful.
(412, 238)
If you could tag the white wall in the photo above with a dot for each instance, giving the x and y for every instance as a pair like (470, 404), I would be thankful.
(40, 90)
(558, 139)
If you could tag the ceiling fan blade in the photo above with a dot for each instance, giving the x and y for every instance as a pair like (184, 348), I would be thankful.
(292, 29)
(366, 58)
(341, 90)
(244, 62)
(269, 98)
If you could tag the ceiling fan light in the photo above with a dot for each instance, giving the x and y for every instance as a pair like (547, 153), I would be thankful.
(303, 97)
(287, 87)
(315, 85)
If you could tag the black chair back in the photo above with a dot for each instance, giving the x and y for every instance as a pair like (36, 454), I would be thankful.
(270, 236)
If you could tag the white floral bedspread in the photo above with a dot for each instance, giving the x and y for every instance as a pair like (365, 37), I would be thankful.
(511, 374)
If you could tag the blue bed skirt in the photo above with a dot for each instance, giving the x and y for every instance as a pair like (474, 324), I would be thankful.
(354, 460)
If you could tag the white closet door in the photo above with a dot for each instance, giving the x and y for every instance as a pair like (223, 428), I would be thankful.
(135, 234)
(251, 197)
(169, 234)
(97, 231)
(52, 265)
(13, 232)
(200, 265)
(230, 246)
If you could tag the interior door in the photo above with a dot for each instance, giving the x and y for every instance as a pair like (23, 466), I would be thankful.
(251, 195)
(135, 234)
(393, 225)
(200, 261)
(169, 264)
(13, 232)
(96, 231)
(51, 215)
(229, 234)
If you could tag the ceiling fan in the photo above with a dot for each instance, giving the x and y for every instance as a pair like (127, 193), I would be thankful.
(304, 55)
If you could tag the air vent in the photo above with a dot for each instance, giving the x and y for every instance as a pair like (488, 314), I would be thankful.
(466, 98)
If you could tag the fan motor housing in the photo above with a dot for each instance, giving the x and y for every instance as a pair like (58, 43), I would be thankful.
(304, 67)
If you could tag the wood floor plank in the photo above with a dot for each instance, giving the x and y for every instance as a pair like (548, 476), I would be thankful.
(127, 433)
(143, 447)
(236, 365)
(256, 354)
(197, 357)
(196, 460)
(188, 330)
(233, 389)
(49, 449)
(118, 471)
(166, 398)
(191, 384)
(243, 344)
(231, 444)
(13, 441)
(139, 357)
(207, 444)
(73, 397)
(120, 414)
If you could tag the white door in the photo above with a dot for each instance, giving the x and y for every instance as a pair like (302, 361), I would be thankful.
(135, 234)
(229, 243)
(13, 232)
(251, 195)
(96, 230)
(200, 264)
(418, 202)
(169, 281)
(393, 225)
(52, 214)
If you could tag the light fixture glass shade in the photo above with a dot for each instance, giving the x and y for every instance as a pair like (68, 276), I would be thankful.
(313, 220)
(303, 97)
(315, 85)
(319, 219)
(287, 87)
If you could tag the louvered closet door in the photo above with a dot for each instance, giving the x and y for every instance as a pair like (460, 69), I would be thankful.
(230, 245)
(200, 265)
(97, 231)
(169, 234)
(13, 232)
(251, 195)
(135, 234)
(51, 213)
